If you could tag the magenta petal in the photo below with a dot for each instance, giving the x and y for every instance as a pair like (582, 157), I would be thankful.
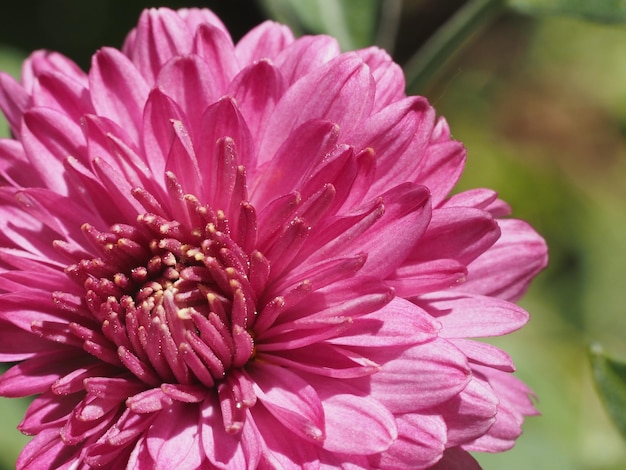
(294, 403)
(467, 316)
(161, 34)
(118, 90)
(60, 92)
(257, 89)
(334, 84)
(47, 450)
(47, 411)
(17, 344)
(415, 278)
(283, 174)
(305, 55)
(199, 90)
(43, 61)
(456, 458)
(394, 236)
(37, 374)
(355, 424)
(13, 101)
(222, 124)
(403, 125)
(470, 414)
(216, 48)
(173, 439)
(419, 377)
(399, 323)
(390, 83)
(518, 256)
(263, 42)
(49, 138)
(485, 354)
(225, 450)
(421, 441)
(457, 233)
(278, 452)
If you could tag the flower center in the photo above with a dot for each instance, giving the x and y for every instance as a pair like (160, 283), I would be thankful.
(174, 299)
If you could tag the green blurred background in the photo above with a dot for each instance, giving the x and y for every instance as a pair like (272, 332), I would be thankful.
(540, 103)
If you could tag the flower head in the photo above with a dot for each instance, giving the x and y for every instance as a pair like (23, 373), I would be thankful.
(245, 256)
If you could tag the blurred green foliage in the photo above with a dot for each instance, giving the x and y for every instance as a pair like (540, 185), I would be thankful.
(610, 11)
(610, 379)
(540, 103)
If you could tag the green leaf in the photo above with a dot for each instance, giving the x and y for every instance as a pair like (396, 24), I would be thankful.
(610, 379)
(605, 11)
(425, 65)
(353, 23)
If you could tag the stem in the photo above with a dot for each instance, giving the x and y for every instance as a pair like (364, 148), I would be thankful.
(427, 62)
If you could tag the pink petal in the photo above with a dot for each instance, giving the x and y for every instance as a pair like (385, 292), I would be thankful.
(399, 323)
(173, 440)
(306, 55)
(416, 278)
(49, 137)
(480, 198)
(160, 35)
(283, 174)
(456, 458)
(191, 83)
(43, 61)
(419, 377)
(391, 133)
(278, 452)
(64, 94)
(47, 411)
(517, 257)
(13, 165)
(222, 122)
(118, 90)
(440, 167)
(17, 344)
(485, 354)
(216, 48)
(390, 84)
(13, 101)
(225, 450)
(461, 234)
(355, 423)
(257, 89)
(47, 450)
(469, 316)
(394, 236)
(290, 399)
(420, 444)
(37, 374)
(263, 42)
(470, 414)
(335, 84)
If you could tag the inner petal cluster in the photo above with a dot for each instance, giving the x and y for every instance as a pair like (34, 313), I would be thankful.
(174, 299)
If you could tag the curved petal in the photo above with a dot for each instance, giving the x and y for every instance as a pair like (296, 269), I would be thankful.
(118, 90)
(290, 399)
(263, 42)
(420, 377)
(173, 439)
(421, 442)
(473, 316)
(517, 257)
(334, 85)
(356, 424)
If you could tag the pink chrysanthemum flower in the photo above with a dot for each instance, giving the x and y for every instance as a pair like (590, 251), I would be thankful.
(245, 256)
